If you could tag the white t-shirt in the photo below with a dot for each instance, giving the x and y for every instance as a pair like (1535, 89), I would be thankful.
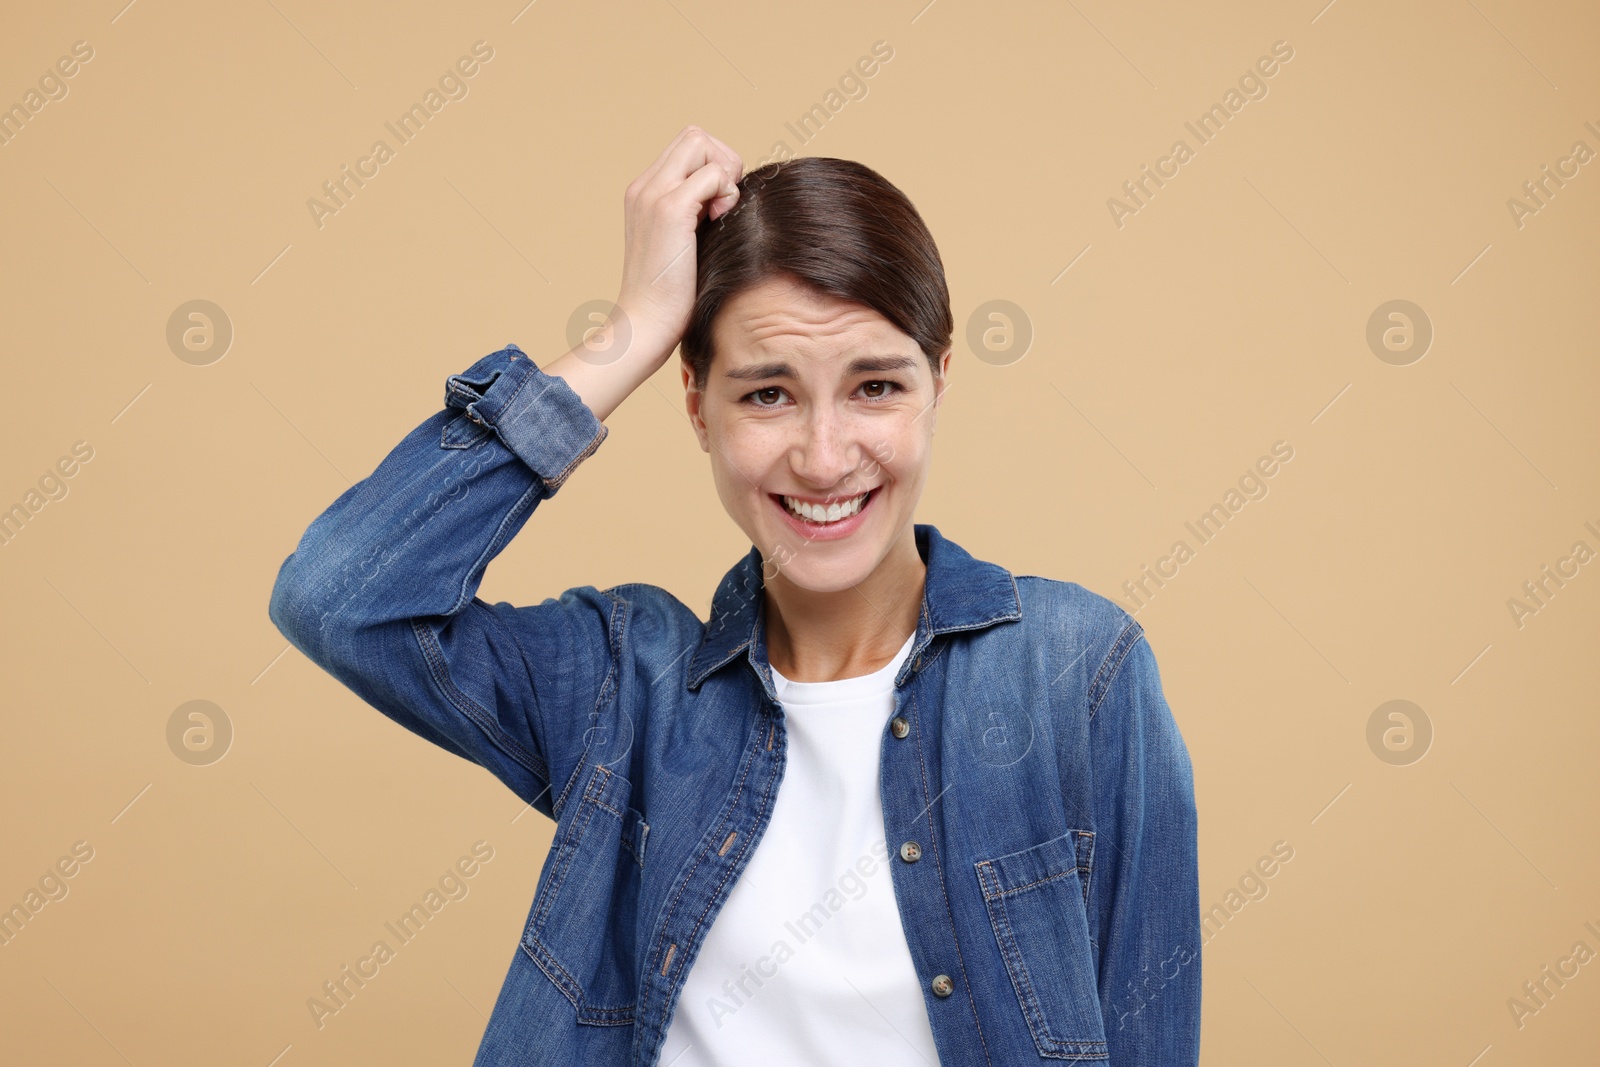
(806, 963)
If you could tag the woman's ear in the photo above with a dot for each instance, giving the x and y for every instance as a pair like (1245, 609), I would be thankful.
(940, 384)
(692, 397)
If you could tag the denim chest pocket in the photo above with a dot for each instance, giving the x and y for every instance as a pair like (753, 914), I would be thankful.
(581, 928)
(1038, 905)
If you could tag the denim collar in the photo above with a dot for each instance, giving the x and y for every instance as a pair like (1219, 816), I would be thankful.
(959, 593)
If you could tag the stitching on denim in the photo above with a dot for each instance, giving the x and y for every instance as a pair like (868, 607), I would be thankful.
(1029, 885)
(540, 953)
(621, 615)
(558, 803)
(1107, 672)
(523, 376)
(930, 651)
(460, 387)
(461, 432)
(1021, 978)
(1088, 872)
(635, 831)
(541, 957)
(599, 786)
(724, 661)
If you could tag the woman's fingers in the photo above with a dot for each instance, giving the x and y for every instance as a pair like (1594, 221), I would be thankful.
(730, 158)
(735, 167)
(694, 177)
(703, 190)
(691, 151)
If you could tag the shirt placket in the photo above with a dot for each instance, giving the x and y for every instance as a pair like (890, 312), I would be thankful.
(705, 888)
(912, 793)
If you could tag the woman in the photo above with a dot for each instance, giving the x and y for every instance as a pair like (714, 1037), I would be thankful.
(983, 850)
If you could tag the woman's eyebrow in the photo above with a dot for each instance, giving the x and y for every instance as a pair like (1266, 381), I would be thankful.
(859, 365)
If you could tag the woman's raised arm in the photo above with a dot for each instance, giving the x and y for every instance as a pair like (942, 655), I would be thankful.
(380, 592)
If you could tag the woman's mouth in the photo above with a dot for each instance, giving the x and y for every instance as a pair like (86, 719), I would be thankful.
(824, 522)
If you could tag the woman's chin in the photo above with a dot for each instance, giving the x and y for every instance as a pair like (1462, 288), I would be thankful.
(823, 576)
(818, 566)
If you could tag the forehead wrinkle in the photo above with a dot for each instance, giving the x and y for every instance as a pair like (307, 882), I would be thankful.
(774, 324)
(779, 335)
(784, 322)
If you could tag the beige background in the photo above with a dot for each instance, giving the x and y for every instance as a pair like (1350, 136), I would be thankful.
(1228, 313)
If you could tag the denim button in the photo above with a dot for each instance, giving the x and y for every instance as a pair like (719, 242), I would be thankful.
(899, 727)
(942, 985)
(911, 852)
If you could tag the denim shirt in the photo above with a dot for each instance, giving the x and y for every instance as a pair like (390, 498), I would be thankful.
(1038, 799)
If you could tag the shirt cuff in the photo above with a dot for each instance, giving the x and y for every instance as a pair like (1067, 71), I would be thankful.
(537, 415)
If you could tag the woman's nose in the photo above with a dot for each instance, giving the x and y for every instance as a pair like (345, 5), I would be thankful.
(827, 451)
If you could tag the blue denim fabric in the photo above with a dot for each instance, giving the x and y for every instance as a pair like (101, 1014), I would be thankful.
(1054, 894)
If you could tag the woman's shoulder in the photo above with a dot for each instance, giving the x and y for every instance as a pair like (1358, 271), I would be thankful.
(1058, 601)
(1071, 614)
(1089, 634)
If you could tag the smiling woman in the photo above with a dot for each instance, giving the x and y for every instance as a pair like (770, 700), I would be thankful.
(861, 678)
(824, 294)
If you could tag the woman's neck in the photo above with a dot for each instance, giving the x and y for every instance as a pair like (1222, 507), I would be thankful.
(822, 637)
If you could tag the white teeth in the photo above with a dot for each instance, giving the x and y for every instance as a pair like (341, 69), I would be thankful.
(818, 513)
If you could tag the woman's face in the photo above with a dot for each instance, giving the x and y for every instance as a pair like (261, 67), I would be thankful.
(817, 400)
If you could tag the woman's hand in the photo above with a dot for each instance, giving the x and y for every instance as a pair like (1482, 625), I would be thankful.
(692, 179)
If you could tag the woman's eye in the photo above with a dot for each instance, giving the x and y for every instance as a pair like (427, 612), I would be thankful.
(772, 395)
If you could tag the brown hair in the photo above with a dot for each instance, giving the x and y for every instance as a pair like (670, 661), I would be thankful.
(835, 225)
